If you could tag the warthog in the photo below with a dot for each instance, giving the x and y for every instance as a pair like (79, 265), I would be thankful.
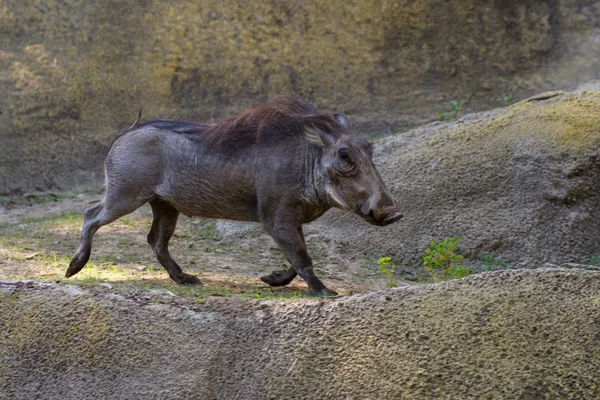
(282, 164)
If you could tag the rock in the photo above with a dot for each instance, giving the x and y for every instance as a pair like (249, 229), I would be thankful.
(265, 304)
(524, 187)
(503, 334)
(141, 267)
(106, 285)
(161, 292)
(546, 95)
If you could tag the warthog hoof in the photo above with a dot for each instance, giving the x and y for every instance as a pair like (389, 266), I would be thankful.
(186, 279)
(71, 271)
(279, 278)
(77, 263)
(324, 293)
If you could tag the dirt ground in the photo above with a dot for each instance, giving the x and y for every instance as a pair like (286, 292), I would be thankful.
(37, 242)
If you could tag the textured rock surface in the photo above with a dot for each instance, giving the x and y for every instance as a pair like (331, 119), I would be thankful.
(523, 182)
(525, 334)
(74, 72)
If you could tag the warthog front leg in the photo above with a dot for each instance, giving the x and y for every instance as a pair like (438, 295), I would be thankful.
(163, 226)
(283, 277)
(290, 241)
(280, 278)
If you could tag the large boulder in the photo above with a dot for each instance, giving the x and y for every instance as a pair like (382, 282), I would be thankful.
(522, 182)
(528, 334)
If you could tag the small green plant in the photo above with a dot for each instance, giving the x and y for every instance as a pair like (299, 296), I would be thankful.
(441, 258)
(459, 272)
(387, 267)
(593, 260)
(490, 262)
(506, 99)
(455, 107)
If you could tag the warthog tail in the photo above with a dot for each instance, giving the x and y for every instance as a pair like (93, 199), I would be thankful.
(137, 121)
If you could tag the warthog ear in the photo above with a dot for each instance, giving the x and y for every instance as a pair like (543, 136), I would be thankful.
(317, 136)
(341, 118)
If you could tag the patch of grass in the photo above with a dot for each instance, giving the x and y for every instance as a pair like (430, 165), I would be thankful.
(127, 221)
(126, 243)
(31, 199)
(59, 220)
(35, 198)
(209, 231)
(94, 192)
(135, 223)
(593, 260)
(289, 295)
(68, 218)
(53, 260)
(252, 233)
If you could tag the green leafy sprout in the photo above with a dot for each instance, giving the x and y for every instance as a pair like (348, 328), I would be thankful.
(507, 99)
(441, 260)
(490, 262)
(593, 260)
(452, 114)
(387, 267)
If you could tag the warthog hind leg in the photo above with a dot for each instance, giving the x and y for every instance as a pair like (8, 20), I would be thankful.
(95, 217)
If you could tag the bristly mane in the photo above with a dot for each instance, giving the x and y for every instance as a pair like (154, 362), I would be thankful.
(282, 116)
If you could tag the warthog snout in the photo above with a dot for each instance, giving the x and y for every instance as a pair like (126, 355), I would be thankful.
(381, 217)
(393, 216)
(380, 207)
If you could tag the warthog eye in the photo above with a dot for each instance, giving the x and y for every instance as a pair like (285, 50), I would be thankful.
(344, 163)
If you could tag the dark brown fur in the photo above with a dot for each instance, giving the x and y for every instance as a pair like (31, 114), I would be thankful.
(281, 116)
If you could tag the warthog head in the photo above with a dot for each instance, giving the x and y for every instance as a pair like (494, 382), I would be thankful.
(351, 180)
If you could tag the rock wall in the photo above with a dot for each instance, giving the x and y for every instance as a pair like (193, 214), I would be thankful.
(529, 334)
(73, 72)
